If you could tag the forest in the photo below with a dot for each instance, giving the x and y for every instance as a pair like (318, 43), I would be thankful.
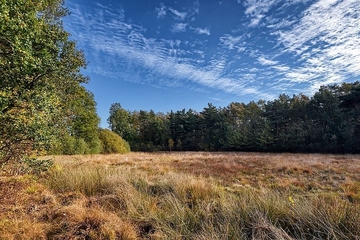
(327, 122)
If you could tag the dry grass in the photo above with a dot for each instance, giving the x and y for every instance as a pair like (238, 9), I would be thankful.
(186, 196)
(309, 172)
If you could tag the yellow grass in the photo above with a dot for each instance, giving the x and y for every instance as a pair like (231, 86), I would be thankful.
(186, 196)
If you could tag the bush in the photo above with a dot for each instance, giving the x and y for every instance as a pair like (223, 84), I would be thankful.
(112, 143)
(70, 145)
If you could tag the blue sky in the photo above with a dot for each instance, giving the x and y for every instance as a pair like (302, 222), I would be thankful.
(169, 55)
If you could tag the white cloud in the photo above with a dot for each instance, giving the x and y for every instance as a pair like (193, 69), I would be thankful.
(263, 61)
(318, 46)
(196, 7)
(200, 31)
(120, 50)
(256, 9)
(299, 75)
(216, 99)
(177, 14)
(161, 11)
(179, 27)
(281, 68)
(231, 42)
(327, 39)
(280, 23)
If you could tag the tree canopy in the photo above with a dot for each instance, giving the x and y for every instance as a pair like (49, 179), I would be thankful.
(41, 96)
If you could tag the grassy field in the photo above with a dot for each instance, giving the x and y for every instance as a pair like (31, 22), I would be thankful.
(185, 196)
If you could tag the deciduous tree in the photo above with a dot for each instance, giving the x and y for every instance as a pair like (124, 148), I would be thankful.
(38, 63)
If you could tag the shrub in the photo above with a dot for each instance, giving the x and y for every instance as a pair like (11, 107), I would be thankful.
(112, 143)
(70, 145)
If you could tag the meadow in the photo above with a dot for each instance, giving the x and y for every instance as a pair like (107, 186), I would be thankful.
(185, 195)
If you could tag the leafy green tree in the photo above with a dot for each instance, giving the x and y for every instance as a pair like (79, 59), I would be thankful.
(78, 133)
(38, 63)
(119, 120)
(124, 124)
(145, 131)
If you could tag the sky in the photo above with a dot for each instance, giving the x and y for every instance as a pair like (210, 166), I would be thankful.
(168, 55)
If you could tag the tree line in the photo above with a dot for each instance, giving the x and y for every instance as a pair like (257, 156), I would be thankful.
(327, 122)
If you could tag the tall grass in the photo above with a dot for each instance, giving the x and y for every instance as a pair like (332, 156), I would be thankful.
(181, 206)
